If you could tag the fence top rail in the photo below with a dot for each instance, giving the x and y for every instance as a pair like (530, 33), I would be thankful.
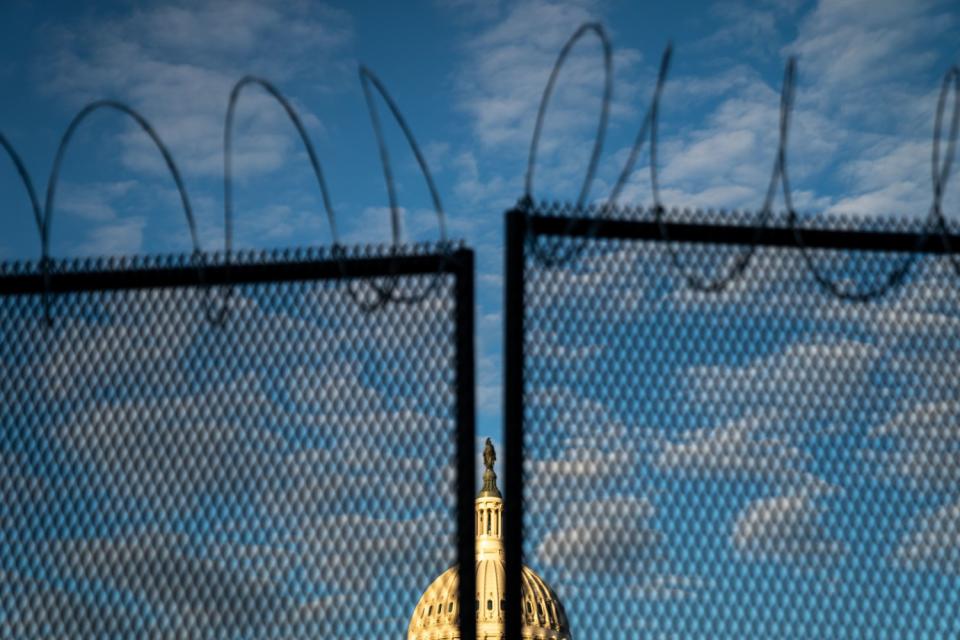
(206, 270)
(737, 234)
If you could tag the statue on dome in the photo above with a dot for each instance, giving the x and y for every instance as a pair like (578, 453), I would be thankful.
(489, 455)
(489, 488)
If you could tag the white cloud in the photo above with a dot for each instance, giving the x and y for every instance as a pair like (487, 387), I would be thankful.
(551, 346)
(863, 111)
(471, 10)
(725, 159)
(603, 536)
(37, 607)
(84, 355)
(744, 448)
(891, 178)
(349, 552)
(152, 58)
(774, 278)
(769, 409)
(509, 65)
(123, 238)
(97, 208)
(669, 586)
(475, 186)
(93, 202)
(501, 83)
(175, 586)
(919, 445)
(587, 469)
(22, 491)
(312, 484)
(569, 416)
(602, 285)
(932, 421)
(934, 542)
(866, 66)
(784, 527)
(854, 44)
(167, 453)
(177, 65)
(751, 27)
(809, 384)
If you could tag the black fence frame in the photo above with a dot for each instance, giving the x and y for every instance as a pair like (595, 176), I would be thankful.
(459, 263)
(522, 227)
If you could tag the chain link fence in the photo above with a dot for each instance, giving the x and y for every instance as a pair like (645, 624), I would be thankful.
(289, 473)
(764, 461)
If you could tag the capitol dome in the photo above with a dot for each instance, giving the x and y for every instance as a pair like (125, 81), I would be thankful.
(437, 612)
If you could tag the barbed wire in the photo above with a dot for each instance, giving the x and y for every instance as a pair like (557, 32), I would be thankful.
(25, 179)
(43, 215)
(551, 257)
(779, 180)
(940, 171)
(388, 293)
(78, 119)
(275, 93)
(741, 261)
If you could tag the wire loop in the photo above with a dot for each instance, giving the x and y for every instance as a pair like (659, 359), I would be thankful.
(275, 93)
(25, 179)
(37, 216)
(741, 261)
(647, 128)
(940, 169)
(47, 218)
(894, 277)
(389, 293)
(527, 202)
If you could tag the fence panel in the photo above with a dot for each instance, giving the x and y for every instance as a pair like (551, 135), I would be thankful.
(765, 461)
(290, 473)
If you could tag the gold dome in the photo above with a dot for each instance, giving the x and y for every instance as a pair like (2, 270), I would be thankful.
(437, 612)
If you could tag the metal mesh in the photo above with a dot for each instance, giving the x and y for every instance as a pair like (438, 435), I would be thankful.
(765, 462)
(290, 474)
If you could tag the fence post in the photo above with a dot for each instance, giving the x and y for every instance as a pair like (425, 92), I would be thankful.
(516, 230)
(466, 440)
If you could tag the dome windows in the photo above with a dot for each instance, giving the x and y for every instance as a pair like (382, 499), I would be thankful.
(541, 611)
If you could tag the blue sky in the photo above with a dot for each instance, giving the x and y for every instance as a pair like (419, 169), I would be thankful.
(468, 76)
